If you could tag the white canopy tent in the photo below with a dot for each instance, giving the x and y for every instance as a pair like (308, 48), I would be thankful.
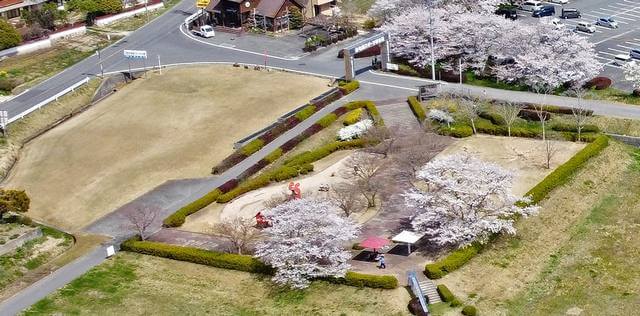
(407, 237)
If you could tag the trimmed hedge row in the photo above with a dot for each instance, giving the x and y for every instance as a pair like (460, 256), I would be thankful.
(371, 108)
(369, 280)
(327, 120)
(469, 310)
(196, 255)
(244, 263)
(416, 108)
(495, 118)
(306, 112)
(564, 172)
(584, 137)
(554, 109)
(274, 155)
(178, 218)
(348, 86)
(253, 146)
(456, 130)
(453, 261)
(352, 117)
(445, 294)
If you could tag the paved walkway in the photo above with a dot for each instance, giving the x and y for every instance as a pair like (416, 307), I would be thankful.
(191, 239)
(397, 115)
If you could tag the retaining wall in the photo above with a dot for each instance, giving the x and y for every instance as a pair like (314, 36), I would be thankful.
(15, 243)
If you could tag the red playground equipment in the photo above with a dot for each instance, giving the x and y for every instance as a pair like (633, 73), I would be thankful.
(295, 190)
(261, 221)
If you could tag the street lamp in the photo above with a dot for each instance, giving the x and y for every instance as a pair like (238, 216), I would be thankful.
(433, 61)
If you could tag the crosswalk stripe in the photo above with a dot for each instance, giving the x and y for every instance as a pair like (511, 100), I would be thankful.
(627, 47)
(617, 50)
(626, 13)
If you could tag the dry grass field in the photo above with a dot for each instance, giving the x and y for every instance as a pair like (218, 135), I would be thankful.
(525, 157)
(174, 125)
(134, 284)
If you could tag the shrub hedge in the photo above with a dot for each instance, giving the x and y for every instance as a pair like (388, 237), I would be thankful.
(370, 106)
(554, 109)
(352, 117)
(348, 86)
(456, 130)
(253, 146)
(564, 172)
(469, 310)
(416, 108)
(369, 280)
(453, 261)
(178, 218)
(495, 118)
(196, 255)
(599, 83)
(584, 137)
(327, 120)
(274, 155)
(445, 293)
(305, 113)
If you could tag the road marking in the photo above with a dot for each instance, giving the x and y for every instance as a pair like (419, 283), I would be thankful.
(633, 43)
(615, 36)
(617, 50)
(610, 54)
(618, 13)
(627, 47)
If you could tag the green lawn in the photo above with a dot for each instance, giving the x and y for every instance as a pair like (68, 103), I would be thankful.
(134, 284)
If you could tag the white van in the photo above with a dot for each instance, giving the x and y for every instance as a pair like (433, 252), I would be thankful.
(585, 27)
(531, 6)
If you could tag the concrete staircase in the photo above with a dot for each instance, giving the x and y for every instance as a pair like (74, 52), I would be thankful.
(430, 291)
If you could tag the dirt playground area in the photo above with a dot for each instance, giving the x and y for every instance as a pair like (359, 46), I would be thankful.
(525, 157)
(175, 125)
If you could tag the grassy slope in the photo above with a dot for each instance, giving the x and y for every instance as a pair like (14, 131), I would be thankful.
(136, 284)
(571, 254)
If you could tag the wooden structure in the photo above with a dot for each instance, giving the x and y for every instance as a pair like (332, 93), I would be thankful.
(269, 15)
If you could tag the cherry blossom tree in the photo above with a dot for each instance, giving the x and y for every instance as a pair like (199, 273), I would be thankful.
(632, 73)
(306, 241)
(464, 200)
(383, 9)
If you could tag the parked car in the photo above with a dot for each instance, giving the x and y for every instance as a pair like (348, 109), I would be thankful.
(607, 22)
(560, 1)
(570, 13)
(557, 24)
(547, 10)
(621, 59)
(508, 13)
(205, 31)
(635, 53)
(531, 6)
(586, 27)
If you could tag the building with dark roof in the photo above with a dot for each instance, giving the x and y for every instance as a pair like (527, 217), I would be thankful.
(270, 15)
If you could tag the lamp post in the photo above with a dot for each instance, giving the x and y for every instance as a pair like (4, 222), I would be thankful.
(433, 61)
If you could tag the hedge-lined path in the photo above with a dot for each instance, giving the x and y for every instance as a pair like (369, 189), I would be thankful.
(190, 239)
(397, 115)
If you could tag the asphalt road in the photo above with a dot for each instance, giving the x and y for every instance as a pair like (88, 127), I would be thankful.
(609, 42)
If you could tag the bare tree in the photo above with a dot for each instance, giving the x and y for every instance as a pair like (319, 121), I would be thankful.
(382, 139)
(509, 112)
(418, 149)
(551, 149)
(366, 168)
(471, 110)
(277, 199)
(347, 197)
(241, 232)
(543, 116)
(141, 218)
(580, 112)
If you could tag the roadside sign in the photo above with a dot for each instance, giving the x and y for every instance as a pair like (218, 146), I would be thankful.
(201, 4)
(135, 54)
(110, 251)
(391, 66)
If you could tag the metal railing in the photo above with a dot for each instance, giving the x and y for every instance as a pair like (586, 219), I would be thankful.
(48, 100)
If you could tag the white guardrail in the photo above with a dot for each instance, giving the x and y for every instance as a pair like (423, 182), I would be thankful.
(48, 100)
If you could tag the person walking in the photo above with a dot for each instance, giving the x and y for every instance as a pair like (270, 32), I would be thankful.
(383, 265)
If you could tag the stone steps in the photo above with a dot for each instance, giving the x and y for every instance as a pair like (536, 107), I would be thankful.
(430, 290)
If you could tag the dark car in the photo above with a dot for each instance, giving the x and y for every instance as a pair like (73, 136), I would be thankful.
(547, 10)
(570, 14)
(508, 13)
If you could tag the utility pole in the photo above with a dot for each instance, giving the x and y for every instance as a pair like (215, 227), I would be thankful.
(433, 61)
(100, 63)
(460, 69)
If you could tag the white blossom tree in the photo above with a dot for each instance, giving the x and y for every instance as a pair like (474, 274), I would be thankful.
(306, 241)
(632, 73)
(465, 200)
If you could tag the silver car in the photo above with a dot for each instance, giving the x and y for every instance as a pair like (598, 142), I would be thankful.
(607, 22)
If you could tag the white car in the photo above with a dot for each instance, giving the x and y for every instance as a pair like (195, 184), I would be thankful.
(531, 6)
(205, 31)
(557, 24)
(586, 27)
(559, 1)
(607, 22)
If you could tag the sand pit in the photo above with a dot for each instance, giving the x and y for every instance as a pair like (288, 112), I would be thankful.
(523, 156)
(175, 125)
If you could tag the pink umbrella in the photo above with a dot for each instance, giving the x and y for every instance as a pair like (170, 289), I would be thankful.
(374, 242)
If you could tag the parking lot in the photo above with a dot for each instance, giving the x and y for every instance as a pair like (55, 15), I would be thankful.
(609, 42)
